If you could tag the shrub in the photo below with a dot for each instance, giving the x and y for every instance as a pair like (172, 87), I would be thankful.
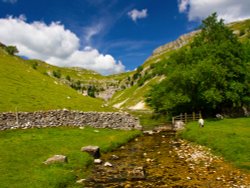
(56, 73)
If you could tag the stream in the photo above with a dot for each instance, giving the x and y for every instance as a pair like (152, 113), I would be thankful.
(162, 160)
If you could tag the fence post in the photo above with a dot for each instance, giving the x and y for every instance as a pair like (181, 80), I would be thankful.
(193, 116)
(185, 118)
(200, 116)
(173, 120)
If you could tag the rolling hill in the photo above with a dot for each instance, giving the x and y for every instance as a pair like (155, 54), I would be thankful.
(23, 88)
(29, 85)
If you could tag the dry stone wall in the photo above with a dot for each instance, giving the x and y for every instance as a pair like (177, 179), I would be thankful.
(24, 120)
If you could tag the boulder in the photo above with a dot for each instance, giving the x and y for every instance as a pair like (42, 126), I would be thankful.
(56, 159)
(92, 150)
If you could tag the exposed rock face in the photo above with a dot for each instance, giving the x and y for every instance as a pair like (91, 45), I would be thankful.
(56, 159)
(181, 41)
(107, 93)
(24, 120)
(92, 150)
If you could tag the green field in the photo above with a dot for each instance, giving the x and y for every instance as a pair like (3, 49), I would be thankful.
(24, 89)
(229, 138)
(24, 151)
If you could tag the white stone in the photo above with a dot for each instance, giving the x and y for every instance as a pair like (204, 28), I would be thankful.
(97, 161)
(81, 181)
(108, 164)
(56, 159)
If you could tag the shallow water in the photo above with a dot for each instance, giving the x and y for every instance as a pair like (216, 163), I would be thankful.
(157, 161)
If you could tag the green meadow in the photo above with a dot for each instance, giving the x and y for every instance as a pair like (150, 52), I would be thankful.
(24, 89)
(229, 138)
(24, 151)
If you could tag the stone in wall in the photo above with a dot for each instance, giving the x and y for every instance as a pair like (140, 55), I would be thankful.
(55, 118)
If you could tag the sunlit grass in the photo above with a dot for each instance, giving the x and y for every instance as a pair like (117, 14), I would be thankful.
(24, 89)
(24, 151)
(229, 138)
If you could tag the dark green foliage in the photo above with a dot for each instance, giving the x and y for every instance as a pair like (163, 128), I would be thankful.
(211, 75)
(11, 50)
(34, 65)
(91, 91)
(56, 73)
(76, 85)
(123, 87)
(68, 78)
(136, 76)
(145, 77)
(139, 69)
(242, 32)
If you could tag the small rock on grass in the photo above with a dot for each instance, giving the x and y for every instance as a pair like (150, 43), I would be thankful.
(56, 159)
(81, 181)
(92, 150)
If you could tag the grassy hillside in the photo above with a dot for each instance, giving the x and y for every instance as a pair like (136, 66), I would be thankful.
(132, 96)
(150, 71)
(34, 85)
(228, 138)
(82, 80)
(23, 88)
(24, 151)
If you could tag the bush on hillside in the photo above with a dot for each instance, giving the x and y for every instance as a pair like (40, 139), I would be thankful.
(11, 50)
(56, 73)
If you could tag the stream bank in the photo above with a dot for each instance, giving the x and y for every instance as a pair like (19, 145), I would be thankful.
(162, 160)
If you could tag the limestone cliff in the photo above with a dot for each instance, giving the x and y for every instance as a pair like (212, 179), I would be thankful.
(178, 43)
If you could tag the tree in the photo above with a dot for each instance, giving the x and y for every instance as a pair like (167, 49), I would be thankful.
(68, 78)
(211, 74)
(57, 73)
(11, 50)
(91, 91)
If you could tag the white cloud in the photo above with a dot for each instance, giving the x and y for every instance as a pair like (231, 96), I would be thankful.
(136, 14)
(10, 1)
(229, 10)
(91, 59)
(55, 45)
(183, 5)
(90, 32)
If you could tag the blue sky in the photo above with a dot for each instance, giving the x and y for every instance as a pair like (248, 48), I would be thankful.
(108, 36)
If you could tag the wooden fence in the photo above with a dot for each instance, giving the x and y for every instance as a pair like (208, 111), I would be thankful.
(187, 117)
